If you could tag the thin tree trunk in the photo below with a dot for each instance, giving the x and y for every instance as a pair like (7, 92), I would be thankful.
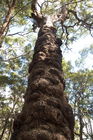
(4, 127)
(10, 130)
(80, 120)
(81, 128)
(46, 114)
(11, 8)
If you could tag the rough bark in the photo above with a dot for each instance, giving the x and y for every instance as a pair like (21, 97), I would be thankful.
(46, 114)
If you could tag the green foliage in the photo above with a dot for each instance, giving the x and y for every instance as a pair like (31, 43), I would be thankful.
(13, 83)
(79, 88)
(78, 23)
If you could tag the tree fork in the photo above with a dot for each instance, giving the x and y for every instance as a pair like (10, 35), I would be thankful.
(46, 114)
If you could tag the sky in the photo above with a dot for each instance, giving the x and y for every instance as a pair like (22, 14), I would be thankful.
(73, 54)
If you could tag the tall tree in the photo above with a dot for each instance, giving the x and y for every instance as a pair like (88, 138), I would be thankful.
(13, 14)
(46, 113)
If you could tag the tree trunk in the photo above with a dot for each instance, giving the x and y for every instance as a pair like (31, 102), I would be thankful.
(46, 114)
(81, 127)
(11, 8)
(80, 121)
(80, 118)
(6, 121)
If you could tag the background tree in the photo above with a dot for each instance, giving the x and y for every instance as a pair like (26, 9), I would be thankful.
(79, 89)
(13, 76)
(14, 14)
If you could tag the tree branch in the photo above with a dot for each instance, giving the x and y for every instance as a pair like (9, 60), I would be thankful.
(62, 16)
(14, 3)
(8, 4)
(19, 10)
(15, 57)
(77, 134)
(33, 7)
(80, 20)
(15, 33)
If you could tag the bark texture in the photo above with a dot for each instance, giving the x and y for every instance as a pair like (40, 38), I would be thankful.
(46, 114)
